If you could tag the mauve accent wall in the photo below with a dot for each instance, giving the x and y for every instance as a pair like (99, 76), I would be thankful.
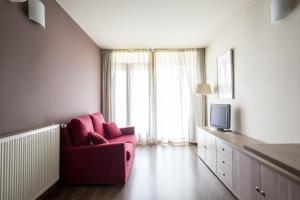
(46, 76)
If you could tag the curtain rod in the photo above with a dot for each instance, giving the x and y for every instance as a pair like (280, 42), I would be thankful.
(160, 49)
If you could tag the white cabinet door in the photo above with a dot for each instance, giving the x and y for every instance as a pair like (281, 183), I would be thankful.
(201, 144)
(273, 185)
(245, 176)
(211, 152)
(277, 187)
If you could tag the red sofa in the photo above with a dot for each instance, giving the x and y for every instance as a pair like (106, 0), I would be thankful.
(83, 163)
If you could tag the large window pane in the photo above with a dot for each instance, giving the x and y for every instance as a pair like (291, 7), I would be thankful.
(158, 100)
(131, 78)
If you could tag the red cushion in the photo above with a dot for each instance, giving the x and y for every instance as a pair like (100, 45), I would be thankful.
(81, 126)
(124, 138)
(112, 130)
(98, 121)
(95, 138)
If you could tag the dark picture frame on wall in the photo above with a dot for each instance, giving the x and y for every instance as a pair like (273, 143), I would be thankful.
(225, 65)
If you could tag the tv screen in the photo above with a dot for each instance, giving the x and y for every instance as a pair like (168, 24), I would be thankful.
(220, 116)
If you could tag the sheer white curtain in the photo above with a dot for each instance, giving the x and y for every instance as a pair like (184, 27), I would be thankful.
(177, 73)
(153, 91)
(130, 90)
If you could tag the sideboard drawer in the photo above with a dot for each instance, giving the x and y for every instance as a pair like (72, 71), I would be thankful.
(224, 168)
(223, 161)
(225, 174)
(224, 149)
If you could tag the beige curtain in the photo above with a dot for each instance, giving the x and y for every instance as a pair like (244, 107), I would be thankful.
(106, 106)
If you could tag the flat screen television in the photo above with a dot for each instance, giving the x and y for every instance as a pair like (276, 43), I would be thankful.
(220, 115)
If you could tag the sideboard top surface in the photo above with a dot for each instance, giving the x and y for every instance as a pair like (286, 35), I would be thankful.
(286, 156)
(236, 140)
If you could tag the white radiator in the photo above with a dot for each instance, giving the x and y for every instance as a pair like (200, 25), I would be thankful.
(29, 163)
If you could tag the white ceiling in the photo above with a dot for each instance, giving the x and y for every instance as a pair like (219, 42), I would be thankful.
(116, 24)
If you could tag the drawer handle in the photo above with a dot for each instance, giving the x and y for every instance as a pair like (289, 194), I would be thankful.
(257, 189)
(223, 174)
(223, 161)
(263, 193)
(223, 149)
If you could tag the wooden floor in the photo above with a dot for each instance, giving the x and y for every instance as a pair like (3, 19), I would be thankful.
(160, 172)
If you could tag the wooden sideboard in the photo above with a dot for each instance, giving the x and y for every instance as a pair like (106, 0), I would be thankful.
(249, 175)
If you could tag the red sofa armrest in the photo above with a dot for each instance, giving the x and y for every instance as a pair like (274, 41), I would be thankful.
(94, 164)
(128, 130)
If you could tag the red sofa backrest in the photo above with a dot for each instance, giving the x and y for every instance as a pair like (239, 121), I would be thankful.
(81, 126)
(76, 132)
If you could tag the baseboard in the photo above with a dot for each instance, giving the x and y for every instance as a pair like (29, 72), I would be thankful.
(50, 191)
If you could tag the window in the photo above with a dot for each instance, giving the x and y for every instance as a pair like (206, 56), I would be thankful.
(156, 98)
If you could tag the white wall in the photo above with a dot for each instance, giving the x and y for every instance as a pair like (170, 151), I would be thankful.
(267, 73)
